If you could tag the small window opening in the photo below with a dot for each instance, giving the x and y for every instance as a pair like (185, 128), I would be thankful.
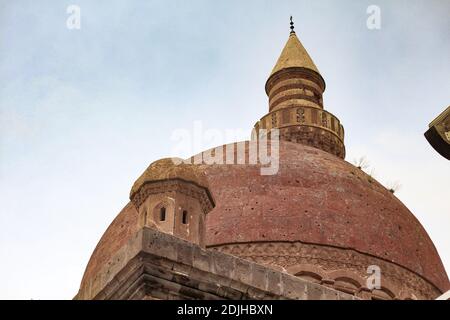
(145, 217)
(184, 218)
(162, 214)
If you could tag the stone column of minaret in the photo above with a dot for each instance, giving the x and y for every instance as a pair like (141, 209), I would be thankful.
(295, 88)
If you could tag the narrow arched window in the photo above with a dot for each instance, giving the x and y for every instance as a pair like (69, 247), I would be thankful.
(162, 214)
(184, 217)
(145, 217)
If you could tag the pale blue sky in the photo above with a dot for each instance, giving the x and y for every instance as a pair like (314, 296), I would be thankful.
(84, 112)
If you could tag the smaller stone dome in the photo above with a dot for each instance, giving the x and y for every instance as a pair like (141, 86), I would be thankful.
(168, 169)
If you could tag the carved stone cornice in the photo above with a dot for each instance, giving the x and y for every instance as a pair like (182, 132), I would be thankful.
(174, 185)
(329, 261)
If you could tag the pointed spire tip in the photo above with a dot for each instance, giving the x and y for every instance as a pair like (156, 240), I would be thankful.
(292, 26)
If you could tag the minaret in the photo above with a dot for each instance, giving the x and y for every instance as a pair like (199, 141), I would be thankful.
(295, 89)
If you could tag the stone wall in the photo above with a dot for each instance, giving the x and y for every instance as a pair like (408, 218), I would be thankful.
(155, 265)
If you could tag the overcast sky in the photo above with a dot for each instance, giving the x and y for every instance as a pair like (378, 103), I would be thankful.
(84, 112)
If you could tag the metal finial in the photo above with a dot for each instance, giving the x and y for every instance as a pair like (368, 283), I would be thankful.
(292, 26)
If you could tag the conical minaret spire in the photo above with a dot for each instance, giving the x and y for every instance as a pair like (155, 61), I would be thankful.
(294, 55)
(295, 88)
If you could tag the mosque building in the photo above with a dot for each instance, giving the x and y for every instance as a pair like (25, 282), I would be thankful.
(318, 228)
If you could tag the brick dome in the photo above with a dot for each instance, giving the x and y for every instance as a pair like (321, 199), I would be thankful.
(315, 199)
(318, 198)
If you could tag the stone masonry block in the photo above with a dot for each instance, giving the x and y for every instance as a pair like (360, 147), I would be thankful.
(293, 288)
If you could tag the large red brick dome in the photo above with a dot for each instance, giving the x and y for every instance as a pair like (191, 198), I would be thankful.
(318, 198)
(318, 207)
